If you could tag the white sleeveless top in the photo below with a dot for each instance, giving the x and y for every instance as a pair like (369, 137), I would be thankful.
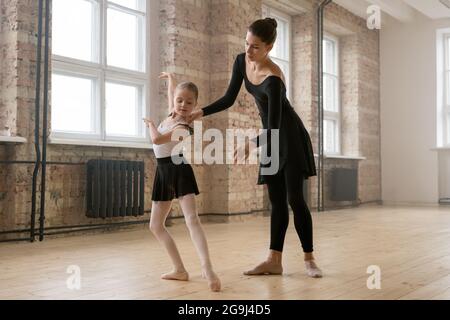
(165, 150)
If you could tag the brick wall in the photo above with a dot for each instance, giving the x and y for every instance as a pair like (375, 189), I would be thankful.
(229, 22)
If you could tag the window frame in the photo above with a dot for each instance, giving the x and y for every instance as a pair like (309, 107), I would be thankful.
(446, 93)
(335, 115)
(102, 73)
(268, 11)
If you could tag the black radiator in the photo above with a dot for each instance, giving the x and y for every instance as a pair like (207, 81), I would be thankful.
(344, 184)
(114, 188)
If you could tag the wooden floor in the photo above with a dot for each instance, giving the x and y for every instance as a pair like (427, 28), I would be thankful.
(411, 245)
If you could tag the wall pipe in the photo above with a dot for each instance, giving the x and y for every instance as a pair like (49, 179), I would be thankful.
(320, 177)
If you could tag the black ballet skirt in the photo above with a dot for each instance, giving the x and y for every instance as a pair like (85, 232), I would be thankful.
(296, 153)
(173, 180)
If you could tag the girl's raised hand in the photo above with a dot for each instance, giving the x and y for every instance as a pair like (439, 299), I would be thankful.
(165, 75)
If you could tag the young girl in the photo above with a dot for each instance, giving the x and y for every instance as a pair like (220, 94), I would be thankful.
(177, 181)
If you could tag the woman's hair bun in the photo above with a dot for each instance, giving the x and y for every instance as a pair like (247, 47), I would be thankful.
(265, 29)
(272, 21)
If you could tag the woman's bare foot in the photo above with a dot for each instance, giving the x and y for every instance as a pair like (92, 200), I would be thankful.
(265, 268)
(176, 275)
(312, 270)
(213, 280)
(271, 266)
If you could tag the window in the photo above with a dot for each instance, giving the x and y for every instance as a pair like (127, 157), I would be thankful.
(99, 70)
(281, 52)
(331, 95)
(446, 102)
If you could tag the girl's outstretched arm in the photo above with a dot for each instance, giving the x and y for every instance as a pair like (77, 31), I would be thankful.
(154, 133)
(170, 88)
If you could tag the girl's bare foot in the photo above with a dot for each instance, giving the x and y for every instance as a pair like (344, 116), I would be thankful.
(213, 280)
(176, 275)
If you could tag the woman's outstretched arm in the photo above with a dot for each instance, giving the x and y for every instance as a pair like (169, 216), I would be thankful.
(231, 94)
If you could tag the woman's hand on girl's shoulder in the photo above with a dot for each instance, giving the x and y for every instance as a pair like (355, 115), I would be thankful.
(195, 115)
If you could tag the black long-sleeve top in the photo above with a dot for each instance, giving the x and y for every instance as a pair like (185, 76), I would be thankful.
(276, 113)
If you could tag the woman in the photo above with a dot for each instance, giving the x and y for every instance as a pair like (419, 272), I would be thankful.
(265, 81)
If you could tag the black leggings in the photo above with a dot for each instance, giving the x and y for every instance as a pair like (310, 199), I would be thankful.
(287, 187)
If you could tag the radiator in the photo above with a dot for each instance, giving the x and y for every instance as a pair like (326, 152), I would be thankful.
(114, 188)
(344, 184)
(444, 177)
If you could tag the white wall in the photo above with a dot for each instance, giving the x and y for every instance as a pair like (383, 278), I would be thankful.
(408, 111)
